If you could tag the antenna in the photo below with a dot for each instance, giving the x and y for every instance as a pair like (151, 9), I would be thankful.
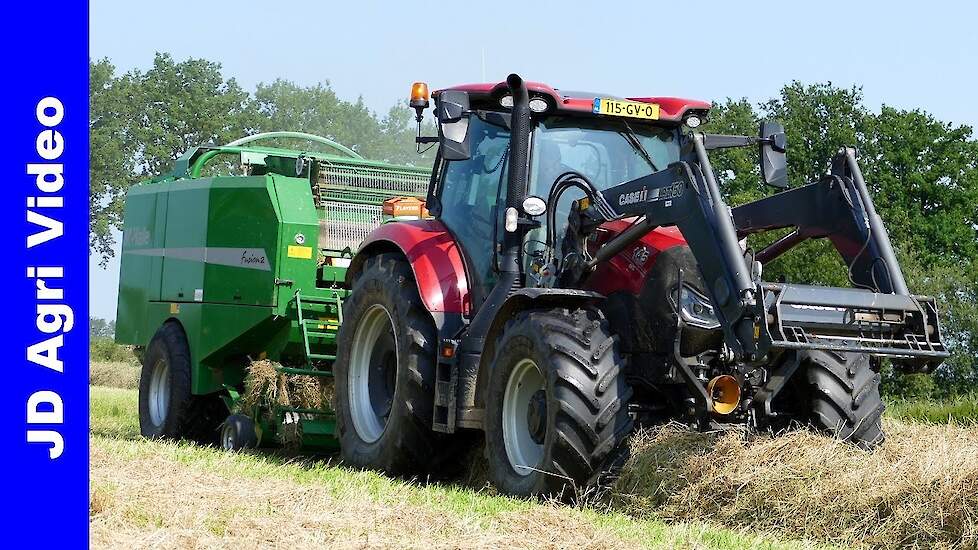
(483, 64)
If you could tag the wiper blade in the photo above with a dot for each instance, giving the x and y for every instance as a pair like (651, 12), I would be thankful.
(637, 145)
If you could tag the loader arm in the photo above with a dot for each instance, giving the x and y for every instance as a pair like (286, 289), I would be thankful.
(839, 208)
(881, 318)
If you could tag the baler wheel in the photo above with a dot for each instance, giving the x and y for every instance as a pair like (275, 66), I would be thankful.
(167, 408)
(238, 432)
(385, 375)
(556, 413)
(844, 395)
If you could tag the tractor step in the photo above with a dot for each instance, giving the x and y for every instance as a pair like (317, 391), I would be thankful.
(446, 382)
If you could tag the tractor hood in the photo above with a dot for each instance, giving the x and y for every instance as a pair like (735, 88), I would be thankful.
(628, 269)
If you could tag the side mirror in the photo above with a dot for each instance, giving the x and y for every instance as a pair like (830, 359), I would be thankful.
(452, 113)
(774, 162)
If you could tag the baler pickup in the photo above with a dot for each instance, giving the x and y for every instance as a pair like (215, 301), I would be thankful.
(852, 320)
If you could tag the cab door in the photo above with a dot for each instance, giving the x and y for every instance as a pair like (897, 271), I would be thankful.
(470, 195)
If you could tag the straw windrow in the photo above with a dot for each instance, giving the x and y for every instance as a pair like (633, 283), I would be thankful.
(919, 490)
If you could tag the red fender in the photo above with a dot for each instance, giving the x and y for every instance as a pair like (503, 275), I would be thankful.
(434, 257)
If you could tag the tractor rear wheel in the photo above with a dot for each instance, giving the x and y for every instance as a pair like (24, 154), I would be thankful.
(167, 408)
(844, 396)
(556, 413)
(386, 373)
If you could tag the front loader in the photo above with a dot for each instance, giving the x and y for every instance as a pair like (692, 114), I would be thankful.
(582, 274)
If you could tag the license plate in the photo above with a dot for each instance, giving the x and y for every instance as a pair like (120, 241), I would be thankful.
(618, 107)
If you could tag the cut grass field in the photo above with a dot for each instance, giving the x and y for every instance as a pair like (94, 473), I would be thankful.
(681, 489)
(148, 493)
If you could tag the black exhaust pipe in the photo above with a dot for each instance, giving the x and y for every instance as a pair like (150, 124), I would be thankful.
(519, 146)
(510, 269)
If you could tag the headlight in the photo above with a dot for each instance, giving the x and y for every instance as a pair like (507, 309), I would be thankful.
(696, 309)
(538, 104)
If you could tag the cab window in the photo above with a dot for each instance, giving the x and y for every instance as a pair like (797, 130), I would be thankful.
(469, 193)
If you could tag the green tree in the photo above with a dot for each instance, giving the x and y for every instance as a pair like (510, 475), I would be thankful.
(924, 179)
(736, 169)
(955, 288)
(141, 122)
(398, 129)
(819, 119)
(283, 105)
(182, 105)
(112, 164)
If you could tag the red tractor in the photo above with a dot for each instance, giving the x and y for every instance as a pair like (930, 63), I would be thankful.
(581, 274)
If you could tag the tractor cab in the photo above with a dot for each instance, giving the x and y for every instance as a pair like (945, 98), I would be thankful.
(608, 140)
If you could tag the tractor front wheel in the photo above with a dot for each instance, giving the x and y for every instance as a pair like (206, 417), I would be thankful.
(844, 397)
(556, 413)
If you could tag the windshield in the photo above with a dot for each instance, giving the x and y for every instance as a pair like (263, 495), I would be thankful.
(607, 151)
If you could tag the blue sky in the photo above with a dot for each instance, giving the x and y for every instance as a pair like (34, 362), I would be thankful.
(903, 54)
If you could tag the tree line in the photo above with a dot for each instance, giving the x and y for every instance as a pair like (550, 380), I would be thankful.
(923, 172)
(141, 121)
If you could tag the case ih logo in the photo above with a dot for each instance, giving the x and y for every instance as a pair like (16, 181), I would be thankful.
(633, 197)
(657, 194)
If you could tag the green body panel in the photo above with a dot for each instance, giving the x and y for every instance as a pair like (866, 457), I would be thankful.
(236, 261)
(214, 267)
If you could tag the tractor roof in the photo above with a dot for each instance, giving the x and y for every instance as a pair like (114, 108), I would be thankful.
(670, 108)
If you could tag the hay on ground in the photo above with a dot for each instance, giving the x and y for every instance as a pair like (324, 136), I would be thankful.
(114, 374)
(919, 490)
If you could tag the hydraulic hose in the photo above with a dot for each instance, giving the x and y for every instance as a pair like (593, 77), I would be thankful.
(564, 182)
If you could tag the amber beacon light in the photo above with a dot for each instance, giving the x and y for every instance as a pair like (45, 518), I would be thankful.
(419, 96)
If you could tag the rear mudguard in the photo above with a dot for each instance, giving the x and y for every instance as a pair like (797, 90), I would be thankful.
(436, 261)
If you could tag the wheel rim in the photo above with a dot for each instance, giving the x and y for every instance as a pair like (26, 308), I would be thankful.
(159, 392)
(227, 437)
(372, 373)
(522, 417)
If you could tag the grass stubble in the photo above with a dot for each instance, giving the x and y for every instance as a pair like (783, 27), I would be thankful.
(679, 489)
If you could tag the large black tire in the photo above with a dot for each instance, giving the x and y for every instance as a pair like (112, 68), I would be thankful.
(167, 408)
(844, 393)
(585, 396)
(406, 444)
